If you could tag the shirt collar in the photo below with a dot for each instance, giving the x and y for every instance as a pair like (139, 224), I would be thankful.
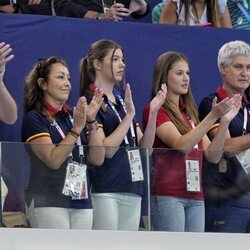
(222, 94)
(53, 111)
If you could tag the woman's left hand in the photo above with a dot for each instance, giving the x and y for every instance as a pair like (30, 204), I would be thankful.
(95, 105)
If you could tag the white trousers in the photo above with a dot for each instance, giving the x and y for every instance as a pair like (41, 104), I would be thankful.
(56, 217)
(116, 211)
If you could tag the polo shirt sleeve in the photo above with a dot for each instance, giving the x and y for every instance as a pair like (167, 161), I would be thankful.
(34, 126)
(162, 117)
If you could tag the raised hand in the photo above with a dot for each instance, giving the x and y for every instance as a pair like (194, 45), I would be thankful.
(128, 101)
(95, 105)
(80, 114)
(235, 107)
(5, 57)
(159, 99)
(221, 108)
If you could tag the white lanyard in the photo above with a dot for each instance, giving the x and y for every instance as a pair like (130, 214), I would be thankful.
(117, 114)
(245, 121)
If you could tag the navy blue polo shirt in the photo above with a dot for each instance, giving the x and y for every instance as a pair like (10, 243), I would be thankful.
(114, 175)
(231, 186)
(46, 184)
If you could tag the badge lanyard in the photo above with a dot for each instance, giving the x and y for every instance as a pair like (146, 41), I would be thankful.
(75, 184)
(245, 121)
(133, 154)
(119, 117)
(192, 169)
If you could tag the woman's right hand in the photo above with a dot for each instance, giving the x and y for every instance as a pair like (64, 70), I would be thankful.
(80, 114)
(221, 108)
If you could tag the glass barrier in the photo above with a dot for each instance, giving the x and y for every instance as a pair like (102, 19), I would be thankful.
(131, 189)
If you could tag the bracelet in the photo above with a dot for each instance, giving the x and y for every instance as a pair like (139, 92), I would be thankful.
(92, 126)
(74, 134)
(90, 122)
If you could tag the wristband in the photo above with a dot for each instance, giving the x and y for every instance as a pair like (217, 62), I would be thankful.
(90, 122)
(92, 126)
(74, 133)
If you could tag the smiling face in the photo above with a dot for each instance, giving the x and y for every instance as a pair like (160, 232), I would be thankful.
(178, 78)
(236, 75)
(112, 67)
(57, 88)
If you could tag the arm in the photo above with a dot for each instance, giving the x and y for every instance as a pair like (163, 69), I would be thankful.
(170, 135)
(8, 108)
(169, 13)
(114, 140)
(54, 155)
(225, 19)
(96, 152)
(147, 139)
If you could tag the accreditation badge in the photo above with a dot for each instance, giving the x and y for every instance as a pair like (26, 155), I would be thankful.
(75, 184)
(135, 165)
(192, 175)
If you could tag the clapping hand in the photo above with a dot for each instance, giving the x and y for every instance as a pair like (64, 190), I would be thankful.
(5, 57)
(130, 108)
(159, 99)
(95, 104)
(221, 108)
(79, 114)
(235, 107)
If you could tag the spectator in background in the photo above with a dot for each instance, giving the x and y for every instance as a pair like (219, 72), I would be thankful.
(8, 108)
(102, 9)
(240, 13)
(19, 6)
(156, 12)
(196, 12)
(226, 185)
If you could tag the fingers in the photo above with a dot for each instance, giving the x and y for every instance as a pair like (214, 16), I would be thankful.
(5, 50)
(34, 2)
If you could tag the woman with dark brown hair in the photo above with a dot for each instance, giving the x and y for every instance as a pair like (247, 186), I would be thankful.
(58, 192)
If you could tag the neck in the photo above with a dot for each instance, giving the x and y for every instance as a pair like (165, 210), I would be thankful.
(174, 98)
(56, 104)
(106, 86)
(230, 91)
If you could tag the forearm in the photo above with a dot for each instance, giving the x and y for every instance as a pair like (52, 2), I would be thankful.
(186, 143)
(113, 141)
(148, 137)
(8, 108)
(237, 144)
(54, 155)
(215, 148)
(96, 152)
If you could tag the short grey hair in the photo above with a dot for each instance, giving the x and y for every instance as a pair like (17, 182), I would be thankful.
(231, 49)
